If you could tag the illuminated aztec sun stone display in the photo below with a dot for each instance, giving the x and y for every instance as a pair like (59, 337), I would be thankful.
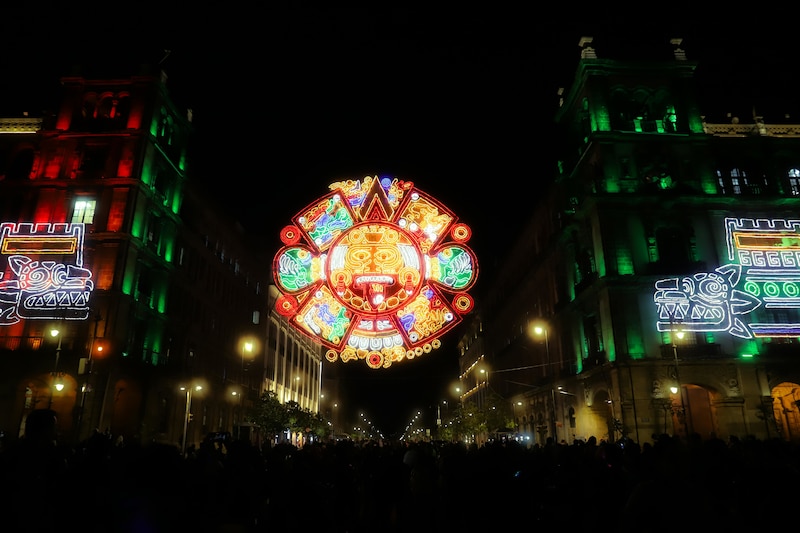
(375, 270)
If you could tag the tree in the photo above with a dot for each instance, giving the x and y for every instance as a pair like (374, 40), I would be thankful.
(269, 414)
(498, 414)
(274, 417)
(467, 421)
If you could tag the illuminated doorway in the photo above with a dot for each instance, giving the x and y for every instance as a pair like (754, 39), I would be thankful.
(786, 410)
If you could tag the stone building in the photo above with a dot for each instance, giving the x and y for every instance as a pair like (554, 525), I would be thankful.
(157, 300)
(655, 287)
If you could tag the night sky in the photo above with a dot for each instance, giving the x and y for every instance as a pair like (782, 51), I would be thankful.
(286, 100)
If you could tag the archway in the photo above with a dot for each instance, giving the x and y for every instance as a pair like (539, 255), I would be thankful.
(786, 410)
(693, 413)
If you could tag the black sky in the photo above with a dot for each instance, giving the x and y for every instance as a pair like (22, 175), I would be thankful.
(289, 98)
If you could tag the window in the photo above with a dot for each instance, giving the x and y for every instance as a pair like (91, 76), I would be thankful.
(93, 161)
(794, 181)
(734, 182)
(83, 211)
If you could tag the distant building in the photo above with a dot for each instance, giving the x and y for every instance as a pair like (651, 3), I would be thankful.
(662, 264)
(151, 287)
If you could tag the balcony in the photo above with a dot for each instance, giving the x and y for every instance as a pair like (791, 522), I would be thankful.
(696, 351)
(595, 360)
(661, 268)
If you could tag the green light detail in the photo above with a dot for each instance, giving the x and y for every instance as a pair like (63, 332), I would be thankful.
(177, 200)
(161, 300)
(636, 347)
(601, 120)
(182, 161)
(672, 119)
(708, 183)
(154, 126)
(748, 349)
(695, 123)
(790, 289)
(624, 260)
(169, 248)
(147, 172)
(652, 249)
(137, 227)
(600, 261)
(612, 184)
(637, 124)
(127, 282)
(752, 287)
(580, 365)
(786, 289)
(771, 289)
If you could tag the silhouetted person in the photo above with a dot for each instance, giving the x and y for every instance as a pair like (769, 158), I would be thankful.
(34, 472)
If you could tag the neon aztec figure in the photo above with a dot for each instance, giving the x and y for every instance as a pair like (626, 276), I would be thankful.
(44, 278)
(375, 270)
(764, 270)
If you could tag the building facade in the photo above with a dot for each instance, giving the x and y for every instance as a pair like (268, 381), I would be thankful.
(157, 301)
(654, 289)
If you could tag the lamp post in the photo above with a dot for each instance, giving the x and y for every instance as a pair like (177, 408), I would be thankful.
(247, 350)
(678, 388)
(540, 330)
(514, 407)
(187, 413)
(485, 372)
(238, 395)
(58, 384)
(86, 368)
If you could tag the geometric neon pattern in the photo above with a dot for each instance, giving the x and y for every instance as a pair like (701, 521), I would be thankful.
(763, 272)
(44, 276)
(375, 270)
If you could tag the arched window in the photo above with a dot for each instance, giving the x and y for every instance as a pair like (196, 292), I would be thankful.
(794, 181)
(89, 107)
(106, 107)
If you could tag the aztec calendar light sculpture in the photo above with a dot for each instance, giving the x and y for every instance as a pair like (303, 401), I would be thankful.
(375, 270)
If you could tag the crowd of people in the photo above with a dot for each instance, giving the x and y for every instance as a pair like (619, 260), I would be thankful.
(230, 486)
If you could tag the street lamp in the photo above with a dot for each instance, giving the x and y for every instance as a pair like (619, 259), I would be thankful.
(247, 348)
(58, 383)
(237, 395)
(187, 413)
(247, 351)
(540, 330)
(677, 388)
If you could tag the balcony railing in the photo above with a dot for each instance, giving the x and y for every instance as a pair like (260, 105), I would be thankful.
(20, 125)
(695, 351)
(769, 130)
